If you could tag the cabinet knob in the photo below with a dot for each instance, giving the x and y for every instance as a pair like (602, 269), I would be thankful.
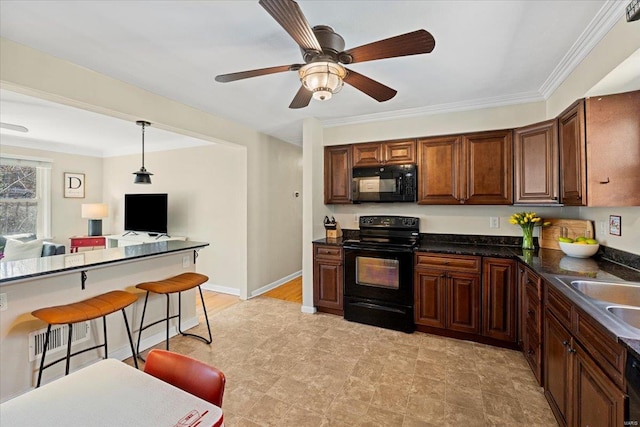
(530, 312)
(554, 198)
(531, 352)
(579, 197)
(605, 182)
(565, 343)
(572, 350)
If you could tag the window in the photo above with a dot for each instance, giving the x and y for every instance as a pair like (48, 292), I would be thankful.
(25, 196)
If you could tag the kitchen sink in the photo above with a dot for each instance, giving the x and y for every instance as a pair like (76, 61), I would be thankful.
(615, 293)
(629, 315)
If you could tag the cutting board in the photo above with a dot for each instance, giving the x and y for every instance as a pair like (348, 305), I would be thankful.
(563, 227)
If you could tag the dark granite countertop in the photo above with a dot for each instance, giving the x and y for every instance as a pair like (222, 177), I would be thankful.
(332, 242)
(15, 271)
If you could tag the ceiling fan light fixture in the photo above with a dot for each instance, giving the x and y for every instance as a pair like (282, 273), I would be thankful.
(323, 79)
(142, 175)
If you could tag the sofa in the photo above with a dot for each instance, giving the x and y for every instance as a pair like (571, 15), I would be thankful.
(48, 248)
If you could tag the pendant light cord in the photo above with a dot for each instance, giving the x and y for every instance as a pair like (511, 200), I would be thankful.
(143, 124)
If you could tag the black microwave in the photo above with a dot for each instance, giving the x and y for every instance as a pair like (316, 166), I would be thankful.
(395, 183)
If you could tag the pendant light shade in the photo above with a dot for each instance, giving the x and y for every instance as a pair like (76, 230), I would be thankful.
(142, 175)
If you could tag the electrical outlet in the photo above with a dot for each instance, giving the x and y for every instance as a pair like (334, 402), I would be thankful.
(494, 222)
(603, 228)
(3, 302)
(185, 261)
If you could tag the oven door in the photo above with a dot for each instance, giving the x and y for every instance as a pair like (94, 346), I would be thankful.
(379, 274)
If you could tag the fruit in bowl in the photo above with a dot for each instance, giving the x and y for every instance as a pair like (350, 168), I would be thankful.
(580, 247)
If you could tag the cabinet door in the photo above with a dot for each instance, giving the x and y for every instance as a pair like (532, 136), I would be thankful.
(613, 149)
(399, 152)
(327, 285)
(463, 302)
(571, 140)
(536, 163)
(597, 400)
(439, 170)
(337, 174)
(557, 367)
(499, 299)
(489, 168)
(430, 296)
(368, 154)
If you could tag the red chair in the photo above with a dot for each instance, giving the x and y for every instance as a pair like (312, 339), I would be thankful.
(188, 374)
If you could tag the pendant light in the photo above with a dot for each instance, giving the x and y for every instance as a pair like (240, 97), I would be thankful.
(142, 176)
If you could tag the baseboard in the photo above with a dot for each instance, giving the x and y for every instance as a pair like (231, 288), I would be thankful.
(308, 309)
(148, 342)
(221, 289)
(275, 284)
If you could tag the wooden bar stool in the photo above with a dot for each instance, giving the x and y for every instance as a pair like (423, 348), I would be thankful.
(89, 309)
(180, 283)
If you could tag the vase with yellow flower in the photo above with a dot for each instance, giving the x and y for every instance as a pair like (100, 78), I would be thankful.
(527, 221)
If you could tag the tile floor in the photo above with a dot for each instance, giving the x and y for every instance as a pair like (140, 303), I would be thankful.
(286, 368)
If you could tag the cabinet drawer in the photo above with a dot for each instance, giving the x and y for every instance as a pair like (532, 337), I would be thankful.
(532, 311)
(558, 305)
(532, 283)
(532, 352)
(448, 262)
(607, 353)
(328, 252)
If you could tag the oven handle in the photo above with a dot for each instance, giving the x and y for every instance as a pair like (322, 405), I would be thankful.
(386, 250)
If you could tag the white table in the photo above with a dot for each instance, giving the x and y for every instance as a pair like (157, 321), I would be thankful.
(109, 393)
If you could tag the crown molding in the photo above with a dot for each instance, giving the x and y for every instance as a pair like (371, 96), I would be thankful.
(452, 107)
(609, 14)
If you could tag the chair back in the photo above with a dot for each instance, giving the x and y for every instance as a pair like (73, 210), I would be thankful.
(188, 374)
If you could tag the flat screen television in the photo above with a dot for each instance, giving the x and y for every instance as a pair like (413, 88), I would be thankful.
(145, 212)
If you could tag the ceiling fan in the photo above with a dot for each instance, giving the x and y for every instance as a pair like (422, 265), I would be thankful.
(323, 52)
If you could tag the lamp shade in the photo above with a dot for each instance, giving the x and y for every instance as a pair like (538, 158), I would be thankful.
(95, 210)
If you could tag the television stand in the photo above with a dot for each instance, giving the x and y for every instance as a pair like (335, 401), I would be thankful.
(118, 241)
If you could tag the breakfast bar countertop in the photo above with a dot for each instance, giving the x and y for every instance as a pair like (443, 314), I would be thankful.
(15, 271)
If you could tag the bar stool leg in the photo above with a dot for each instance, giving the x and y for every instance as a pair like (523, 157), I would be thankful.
(144, 309)
(167, 340)
(44, 353)
(104, 330)
(133, 351)
(66, 371)
(210, 340)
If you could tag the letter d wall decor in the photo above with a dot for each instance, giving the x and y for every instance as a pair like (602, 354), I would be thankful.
(74, 185)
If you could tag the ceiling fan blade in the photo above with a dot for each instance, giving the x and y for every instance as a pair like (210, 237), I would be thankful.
(374, 89)
(224, 78)
(302, 98)
(413, 43)
(289, 15)
(17, 128)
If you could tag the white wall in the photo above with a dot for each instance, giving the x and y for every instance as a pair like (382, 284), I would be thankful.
(65, 213)
(203, 206)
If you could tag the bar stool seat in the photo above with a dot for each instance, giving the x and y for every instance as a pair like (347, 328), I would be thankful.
(93, 308)
(176, 284)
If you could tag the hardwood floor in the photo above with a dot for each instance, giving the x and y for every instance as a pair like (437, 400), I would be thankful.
(290, 291)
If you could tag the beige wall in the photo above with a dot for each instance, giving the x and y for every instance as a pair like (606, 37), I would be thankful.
(202, 204)
(65, 213)
(270, 255)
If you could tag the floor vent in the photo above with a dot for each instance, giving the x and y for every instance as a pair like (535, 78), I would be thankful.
(57, 340)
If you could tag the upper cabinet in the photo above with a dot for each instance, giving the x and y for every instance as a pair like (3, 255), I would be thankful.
(384, 153)
(571, 139)
(474, 169)
(613, 149)
(535, 149)
(337, 174)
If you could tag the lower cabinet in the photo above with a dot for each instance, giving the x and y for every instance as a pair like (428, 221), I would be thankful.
(578, 389)
(328, 278)
(530, 319)
(499, 299)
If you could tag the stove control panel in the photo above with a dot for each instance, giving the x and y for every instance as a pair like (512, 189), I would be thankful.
(403, 222)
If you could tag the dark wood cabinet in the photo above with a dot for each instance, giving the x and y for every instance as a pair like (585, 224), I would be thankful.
(613, 149)
(440, 170)
(499, 299)
(384, 153)
(337, 174)
(582, 366)
(328, 272)
(466, 169)
(489, 168)
(530, 318)
(447, 292)
(536, 169)
(572, 143)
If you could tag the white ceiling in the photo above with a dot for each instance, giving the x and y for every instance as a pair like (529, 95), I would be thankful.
(487, 53)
